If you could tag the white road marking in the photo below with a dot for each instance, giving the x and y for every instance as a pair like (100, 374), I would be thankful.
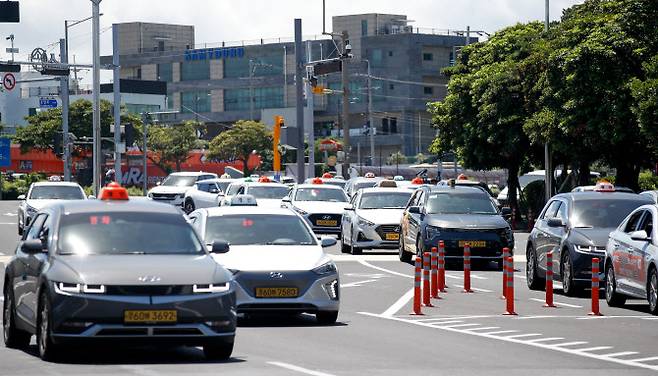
(596, 348)
(347, 258)
(447, 322)
(357, 284)
(8, 223)
(436, 318)
(547, 339)
(557, 303)
(404, 299)
(484, 328)
(458, 326)
(622, 353)
(459, 276)
(524, 335)
(501, 332)
(574, 343)
(365, 275)
(474, 288)
(10, 215)
(644, 359)
(365, 263)
(520, 276)
(299, 369)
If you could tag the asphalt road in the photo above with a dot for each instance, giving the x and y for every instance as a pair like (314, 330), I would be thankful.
(464, 334)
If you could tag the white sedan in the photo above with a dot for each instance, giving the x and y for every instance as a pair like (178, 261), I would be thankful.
(41, 194)
(277, 261)
(322, 206)
(203, 194)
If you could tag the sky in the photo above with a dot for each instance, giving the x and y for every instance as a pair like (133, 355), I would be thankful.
(42, 21)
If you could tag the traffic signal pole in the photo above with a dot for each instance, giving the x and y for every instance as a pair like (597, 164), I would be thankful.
(64, 86)
(299, 92)
(116, 80)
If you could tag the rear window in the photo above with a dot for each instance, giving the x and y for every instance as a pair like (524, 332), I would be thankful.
(258, 229)
(379, 200)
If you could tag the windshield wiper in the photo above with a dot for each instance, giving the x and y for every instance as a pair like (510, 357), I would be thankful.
(583, 226)
(131, 253)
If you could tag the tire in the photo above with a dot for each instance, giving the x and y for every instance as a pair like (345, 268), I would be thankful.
(21, 222)
(14, 338)
(327, 317)
(343, 247)
(533, 280)
(353, 249)
(500, 265)
(48, 350)
(652, 291)
(612, 297)
(218, 351)
(188, 207)
(402, 254)
(568, 286)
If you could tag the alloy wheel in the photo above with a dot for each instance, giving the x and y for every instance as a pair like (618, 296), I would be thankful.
(653, 291)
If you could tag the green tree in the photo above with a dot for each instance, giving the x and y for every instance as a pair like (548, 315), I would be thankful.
(239, 142)
(421, 158)
(171, 144)
(396, 158)
(645, 108)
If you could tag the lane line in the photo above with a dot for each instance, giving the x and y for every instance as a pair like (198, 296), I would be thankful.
(295, 368)
(644, 359)
(357, 284)
(454, 318)
(622, 353)
(457, 326)
(484, 328)
(404, 299)
(499, 332)
(596, 348)
(447, 322)
(546, 339)
(524, 335)
(8, 223)
(474, 288)
(557, 303)
(367, 264)
(574, 343)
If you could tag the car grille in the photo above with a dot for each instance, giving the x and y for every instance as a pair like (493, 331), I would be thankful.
(149, 290)
(252, 280)
(495, 239)
(387, 229)
(314, 218)
(164, 196)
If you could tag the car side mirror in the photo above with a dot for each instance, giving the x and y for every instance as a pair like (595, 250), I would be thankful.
(555, 222)
(286, 200)
(158, 183)
(414, 210)
(640, 236)
(32, 246)
(220, 246)
(214, 190)
(328, 242)
(91, 197)
(506, 212)
(21, 197)
(349, 207)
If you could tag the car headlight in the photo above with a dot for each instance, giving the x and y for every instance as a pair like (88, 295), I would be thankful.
(30, 210)
(365, 222)
(432, 232)
(327, 268)
(65, 288)
(300, 211)
(212, 288)
(589, 249)
(181, 195)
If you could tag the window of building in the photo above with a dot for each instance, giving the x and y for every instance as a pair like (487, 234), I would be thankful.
(264, 97)
(269, 64)
(376, 57)
(165, 72)
(133, 108)
(428, 57)
(452, 58)
(391, 87)
(428, 90)
(385, 128)
(32, 111)
(195, 70)
(195, 101)
(170, 101)
(393, 124)
(364, 28)
(390, 53)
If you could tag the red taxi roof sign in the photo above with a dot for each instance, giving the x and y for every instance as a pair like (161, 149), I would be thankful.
(264, 179)
(604, 186)
(317, 181)
(113, 192)
(462, 177)
(417, 181)
(327, 175)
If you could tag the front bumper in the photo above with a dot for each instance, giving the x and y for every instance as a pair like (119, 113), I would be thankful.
(201, 318)
(312, 219)
(368, 237)
(582, 266)
(314, 294)
(176, 201)
(493, 251)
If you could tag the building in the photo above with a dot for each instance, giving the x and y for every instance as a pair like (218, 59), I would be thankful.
(222, 83)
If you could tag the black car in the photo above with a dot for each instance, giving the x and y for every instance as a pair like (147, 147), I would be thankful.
(457, 215)
(576, 226)
(116, 270)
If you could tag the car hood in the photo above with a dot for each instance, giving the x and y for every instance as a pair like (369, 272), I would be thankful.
(321, 207)
(597, 237)
(269, 202)
(127, 269)
(272, 257)
(381, 216)
(169, 189)
(466, 221)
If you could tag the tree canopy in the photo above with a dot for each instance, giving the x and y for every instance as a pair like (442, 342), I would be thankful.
(240, 141)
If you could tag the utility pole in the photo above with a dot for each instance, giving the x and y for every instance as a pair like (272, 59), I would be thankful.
(371, 131)
(299, 92)
(145, 118)
(346, 105)
(251, 89)
(468, 35)
(285, 76)
(548, 176)
(13, 50)
(117, 102)
(96, 121)
(64, 87)
(310, 113)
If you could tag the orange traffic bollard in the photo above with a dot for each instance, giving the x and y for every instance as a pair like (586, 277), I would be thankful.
(417, 310)
(509, 290)
(467, 269)
(595, 288)
(426, 280)
(506, 254)
(442, 266)
(434, 288)
(549, 281)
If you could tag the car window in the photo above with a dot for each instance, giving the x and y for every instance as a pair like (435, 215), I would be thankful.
(320, 194)
(387, 200)
(268, 192)
(551, 211)
(414, 199)
(178, 181)
(603, 213)
(647, 223)
(204, 177)
(563, 212)
(633, 221)
(233, 189)
(44, 233)
(35, 228)
(462, 203)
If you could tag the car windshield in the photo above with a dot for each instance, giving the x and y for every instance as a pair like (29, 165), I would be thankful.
(258, 229)
(179, 181)
(602, 213)
(363, 184)
(50, 192)
(392, 200)
(268, 192)
(320, 194)
(127, 233)
(470, 203)
(223, 185)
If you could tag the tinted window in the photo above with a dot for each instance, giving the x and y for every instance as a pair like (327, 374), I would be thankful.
(268, 192)
(602, 213)
(392, 200)
(647, 224)
(233, 189)
(447, 203)
(179, 181)
(51, 192)
(633, 221)
(363, 184)
(551, 211)
(35, 228)
(563, 212)
(127, 233)
(319, 194)
(258, 229)
(337, 183)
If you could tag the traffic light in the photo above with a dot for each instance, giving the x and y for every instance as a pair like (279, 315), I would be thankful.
(58, 140)
(9, 11)
(14, 68)
(129, 134)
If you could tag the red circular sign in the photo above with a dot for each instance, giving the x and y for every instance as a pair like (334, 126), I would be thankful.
(9, 81)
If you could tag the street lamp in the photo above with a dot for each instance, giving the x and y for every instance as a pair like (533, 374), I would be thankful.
(370, 120)
(548, 178)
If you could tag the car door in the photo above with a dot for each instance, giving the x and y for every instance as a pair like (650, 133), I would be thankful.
(404, 224)
(621, 251)
(541, 230)
(414, 221)
(37, 261)
(639, 254)
(349, 217)
(207, 194)
(556, 234)
(24, 283)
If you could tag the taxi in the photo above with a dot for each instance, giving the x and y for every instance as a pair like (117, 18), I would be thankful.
(267, 192)
(278, 263)
(321, 204)
(116, 269)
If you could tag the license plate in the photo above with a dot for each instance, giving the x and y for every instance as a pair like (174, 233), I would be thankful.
(392, 236)
(151, 316)
(277, 292)
(473, 243)
(326, 222)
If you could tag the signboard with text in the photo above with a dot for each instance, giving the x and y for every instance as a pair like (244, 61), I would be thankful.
(5, 152)
(47, 102)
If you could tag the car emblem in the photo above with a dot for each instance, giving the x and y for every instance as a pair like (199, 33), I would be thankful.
(149, 278)
(397, 229)
(276, 275)
(326, 217)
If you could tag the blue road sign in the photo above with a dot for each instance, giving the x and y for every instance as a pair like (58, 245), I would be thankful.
(47, 103)
(5, 152)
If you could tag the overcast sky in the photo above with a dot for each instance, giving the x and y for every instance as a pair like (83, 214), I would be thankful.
(42, 21)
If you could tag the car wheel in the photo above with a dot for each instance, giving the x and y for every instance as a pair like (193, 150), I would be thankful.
(568, 285)
(344, 248)
(612, 297)
(532, 278)
(354, 249)
(48, 350)
(218, 351)
(189, 206)
(20, 224)
(402, 253)
(326, 318)
(652, 292)
(14, 337)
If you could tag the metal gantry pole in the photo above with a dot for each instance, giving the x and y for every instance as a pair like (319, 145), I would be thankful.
(299, 93)
(346, 107)
(145, 119)
(547, 152)
(64, 86)
(96, 120)
(370, 119)
(117, 103)
(310, 107)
